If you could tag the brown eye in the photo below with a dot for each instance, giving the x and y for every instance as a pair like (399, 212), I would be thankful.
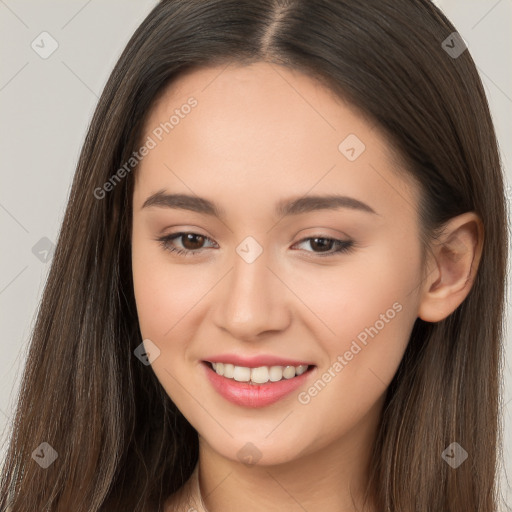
(192, 242)
(325, 246)
(322, 244)
(188, 244)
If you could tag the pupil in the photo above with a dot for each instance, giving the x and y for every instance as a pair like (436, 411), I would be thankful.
(321, 245)
(190, 237)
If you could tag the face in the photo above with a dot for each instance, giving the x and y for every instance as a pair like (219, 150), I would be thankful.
(251, 271)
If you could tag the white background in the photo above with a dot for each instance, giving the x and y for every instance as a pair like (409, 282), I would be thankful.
(45, 108)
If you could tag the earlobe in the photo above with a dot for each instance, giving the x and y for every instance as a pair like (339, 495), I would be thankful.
(453, 265)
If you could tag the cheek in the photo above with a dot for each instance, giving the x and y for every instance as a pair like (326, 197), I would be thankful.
(361, 290)
(371, 307)
(162, 295)
(367, 307)
(172, 301)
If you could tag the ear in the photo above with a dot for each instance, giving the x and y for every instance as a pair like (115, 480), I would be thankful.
(452, 267)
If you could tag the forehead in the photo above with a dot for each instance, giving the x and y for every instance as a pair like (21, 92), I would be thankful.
(261, 128)
(265, 95)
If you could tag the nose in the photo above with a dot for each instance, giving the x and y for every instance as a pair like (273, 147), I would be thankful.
(252, 301)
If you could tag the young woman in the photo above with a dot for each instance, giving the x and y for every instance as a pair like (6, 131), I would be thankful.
(279, 281)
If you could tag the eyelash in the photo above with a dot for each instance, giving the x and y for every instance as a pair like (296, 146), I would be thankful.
(343, 246)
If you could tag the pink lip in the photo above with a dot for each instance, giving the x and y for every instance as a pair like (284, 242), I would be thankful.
(256, 361)
(254, 395)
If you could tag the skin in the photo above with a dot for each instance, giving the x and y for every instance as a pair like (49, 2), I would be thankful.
(260, 134)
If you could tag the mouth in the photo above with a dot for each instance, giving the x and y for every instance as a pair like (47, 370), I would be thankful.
(256, 386)
(259, 375)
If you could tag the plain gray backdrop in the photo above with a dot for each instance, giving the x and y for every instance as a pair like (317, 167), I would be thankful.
(46, 103)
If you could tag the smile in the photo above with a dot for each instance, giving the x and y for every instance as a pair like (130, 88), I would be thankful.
(260, 375)
(259, 386)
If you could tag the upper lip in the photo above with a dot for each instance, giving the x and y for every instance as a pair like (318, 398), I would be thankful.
(256, 361)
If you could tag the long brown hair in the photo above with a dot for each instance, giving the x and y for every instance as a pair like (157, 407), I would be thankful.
(121, 442)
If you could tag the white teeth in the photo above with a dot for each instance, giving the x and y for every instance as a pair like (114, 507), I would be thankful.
(259, 375)
(241, 374)
(289, 372)
(276, 373)
(301, 369)
(229, 370)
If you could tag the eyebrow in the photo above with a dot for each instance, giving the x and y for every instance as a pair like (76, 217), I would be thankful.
(286, 207)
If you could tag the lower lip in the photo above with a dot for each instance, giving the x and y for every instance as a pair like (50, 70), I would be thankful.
(254, 395)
